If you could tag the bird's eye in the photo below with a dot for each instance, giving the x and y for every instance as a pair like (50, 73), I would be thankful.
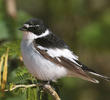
(37, 27)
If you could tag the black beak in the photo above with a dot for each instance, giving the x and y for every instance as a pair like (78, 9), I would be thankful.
(23, 28)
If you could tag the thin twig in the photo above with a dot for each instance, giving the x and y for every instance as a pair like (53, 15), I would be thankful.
(46, 88)
(21, 86)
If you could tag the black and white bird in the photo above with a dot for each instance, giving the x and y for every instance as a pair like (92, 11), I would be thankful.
(47, 57)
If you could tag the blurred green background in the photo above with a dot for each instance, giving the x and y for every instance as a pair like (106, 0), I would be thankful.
(83, 24)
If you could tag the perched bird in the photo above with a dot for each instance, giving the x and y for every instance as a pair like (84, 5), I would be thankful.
(47, 57)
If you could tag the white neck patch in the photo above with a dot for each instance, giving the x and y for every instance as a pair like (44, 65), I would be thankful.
(44, 34)
(29, 35)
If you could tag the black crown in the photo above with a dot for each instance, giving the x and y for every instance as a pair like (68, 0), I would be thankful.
(35, 26)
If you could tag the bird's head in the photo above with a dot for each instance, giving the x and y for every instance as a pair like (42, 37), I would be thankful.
(35, 27)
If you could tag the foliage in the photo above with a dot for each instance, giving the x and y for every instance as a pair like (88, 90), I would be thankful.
(83, 24)
(13, 46)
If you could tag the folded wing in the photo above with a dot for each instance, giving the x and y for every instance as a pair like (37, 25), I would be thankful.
(69, 62)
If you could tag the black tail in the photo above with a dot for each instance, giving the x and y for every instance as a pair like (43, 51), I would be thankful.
(99, 75)
(88, 70)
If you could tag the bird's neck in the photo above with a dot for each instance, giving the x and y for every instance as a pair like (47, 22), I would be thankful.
(31, 36)
(28, 35)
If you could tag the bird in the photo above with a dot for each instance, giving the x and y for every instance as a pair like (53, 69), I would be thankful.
(48, 58)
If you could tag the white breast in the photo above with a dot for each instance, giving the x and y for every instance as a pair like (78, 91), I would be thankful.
(37, 65)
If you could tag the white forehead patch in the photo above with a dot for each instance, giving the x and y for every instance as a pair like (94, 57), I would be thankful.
(27, 25)
(37, 25)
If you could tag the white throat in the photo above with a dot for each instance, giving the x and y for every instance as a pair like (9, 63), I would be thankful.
(31, 36)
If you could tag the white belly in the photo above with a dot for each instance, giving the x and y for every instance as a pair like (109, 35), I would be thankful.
(40, 67)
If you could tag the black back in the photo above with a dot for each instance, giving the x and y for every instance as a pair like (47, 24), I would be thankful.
(51, 41)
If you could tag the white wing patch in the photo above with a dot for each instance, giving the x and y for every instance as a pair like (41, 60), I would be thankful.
(61, 52)
(57, 53)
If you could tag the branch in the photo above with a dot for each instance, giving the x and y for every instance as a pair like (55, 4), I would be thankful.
(52, 92)
(46, 88)
(20, 86)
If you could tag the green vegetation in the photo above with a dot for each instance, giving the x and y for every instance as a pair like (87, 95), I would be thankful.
(85, 27)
